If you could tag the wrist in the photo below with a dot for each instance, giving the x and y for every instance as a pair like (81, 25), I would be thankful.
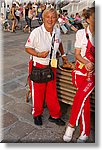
(86, 62)
(63, 55)
(37, 54)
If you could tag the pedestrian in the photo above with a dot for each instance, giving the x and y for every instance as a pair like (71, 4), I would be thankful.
(39, 46)
(13, 11)
(17, 14)
(84, 79)
(29, 17)
(7, 11)
(39, 12)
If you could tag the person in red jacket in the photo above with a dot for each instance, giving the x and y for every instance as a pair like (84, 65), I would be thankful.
(84, 79)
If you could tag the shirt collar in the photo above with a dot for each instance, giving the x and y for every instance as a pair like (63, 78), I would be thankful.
(54, 29)
(88, 31)
(92, 39)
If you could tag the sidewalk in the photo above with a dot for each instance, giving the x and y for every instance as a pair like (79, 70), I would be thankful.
(17, 120)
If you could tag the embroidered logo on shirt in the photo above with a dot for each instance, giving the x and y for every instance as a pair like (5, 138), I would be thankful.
(28, 40)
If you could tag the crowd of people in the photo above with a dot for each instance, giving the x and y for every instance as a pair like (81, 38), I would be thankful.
(27, 12)
(30, 11)
(42, 45)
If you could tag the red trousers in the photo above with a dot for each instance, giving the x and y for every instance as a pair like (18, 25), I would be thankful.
(44, 91)
(81, 105)
(85, 85)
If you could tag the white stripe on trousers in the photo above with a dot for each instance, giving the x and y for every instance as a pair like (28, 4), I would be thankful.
(82, 107)
(32, 97)
(83, 122)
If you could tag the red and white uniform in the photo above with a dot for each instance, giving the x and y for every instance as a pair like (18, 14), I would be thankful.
(81, 105)
(41, 40)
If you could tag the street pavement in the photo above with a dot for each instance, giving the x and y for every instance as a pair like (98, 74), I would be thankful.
(17, 122)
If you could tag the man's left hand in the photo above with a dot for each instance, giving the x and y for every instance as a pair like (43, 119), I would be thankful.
(65, 60)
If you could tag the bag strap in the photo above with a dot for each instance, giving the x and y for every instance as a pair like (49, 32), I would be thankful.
(87, 35)
(52, 48)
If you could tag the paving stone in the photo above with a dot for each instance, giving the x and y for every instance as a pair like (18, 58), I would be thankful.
(2, 112)
(19, 93)
(11, 86)
(7, 138)
(6, 99)
(18, 131)
(21, 66)
(43, 136)
(7, 71)
(13, 62)
(8, 119)
(22, 110)
(11, 76)
(23, 80)
(21, 129)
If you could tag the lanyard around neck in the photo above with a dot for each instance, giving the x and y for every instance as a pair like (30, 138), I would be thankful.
(52, 48)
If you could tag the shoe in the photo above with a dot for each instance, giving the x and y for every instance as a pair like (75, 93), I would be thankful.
(57, 121)
(82, 138)
(68, 134)
(24, 30)
(38, 120)
(13, 31)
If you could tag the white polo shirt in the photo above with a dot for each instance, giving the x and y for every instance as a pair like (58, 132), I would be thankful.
(40, 40)
(81, 40)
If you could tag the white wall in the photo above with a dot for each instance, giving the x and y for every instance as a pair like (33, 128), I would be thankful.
(73, 8)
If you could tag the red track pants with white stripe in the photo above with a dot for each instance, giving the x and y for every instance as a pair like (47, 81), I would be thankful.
(81, 105)
(45, 91)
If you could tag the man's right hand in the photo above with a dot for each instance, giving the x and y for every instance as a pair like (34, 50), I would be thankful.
(89, 66)
(42, 54)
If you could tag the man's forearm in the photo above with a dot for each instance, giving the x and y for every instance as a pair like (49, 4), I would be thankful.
(31, 51)
(61, 49)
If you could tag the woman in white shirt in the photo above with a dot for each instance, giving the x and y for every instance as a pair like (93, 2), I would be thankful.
(83, 79)
(39, 46)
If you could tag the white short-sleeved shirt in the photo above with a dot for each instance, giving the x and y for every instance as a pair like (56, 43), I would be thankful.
(40, 40)
(81, 40)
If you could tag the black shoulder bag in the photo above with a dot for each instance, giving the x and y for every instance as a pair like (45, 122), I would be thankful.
(43, 75)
